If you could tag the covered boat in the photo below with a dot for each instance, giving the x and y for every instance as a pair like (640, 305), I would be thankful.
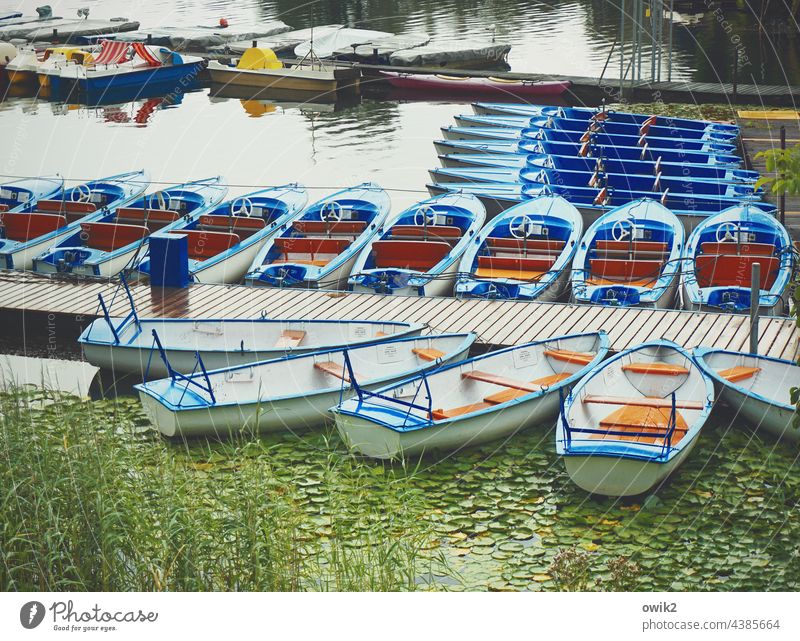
(331, 40)
(319, 249)
(24, 193)
(524, 253)
(719, 259)
(290, 393)
(27, 234)
(630, 256)
(417, 252)
(470, 402)
(438, 83)
(757, 387)
(633, 419)
(223, 242)
(116, 240)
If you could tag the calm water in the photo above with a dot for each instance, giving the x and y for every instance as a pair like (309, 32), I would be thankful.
(254, 143)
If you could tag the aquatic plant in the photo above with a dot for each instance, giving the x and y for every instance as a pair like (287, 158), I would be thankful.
(570, 570)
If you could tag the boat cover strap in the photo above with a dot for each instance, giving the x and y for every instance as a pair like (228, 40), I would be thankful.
(644, 401)
(59, 206)
(739, 373)
(568, 356)
(428, 353)
(23, 227)
(145, 54)
(667, 369)
(112, 52)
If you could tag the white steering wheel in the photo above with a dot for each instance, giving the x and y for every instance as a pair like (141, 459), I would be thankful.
(523, 226)
(80, 194)
(621, 229)
(245, 207)
(425, 216)
(161, 198)
(331, 212)
(725, 231)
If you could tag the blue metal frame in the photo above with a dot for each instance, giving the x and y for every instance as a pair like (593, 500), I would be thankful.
(131, 315)
(175, 375)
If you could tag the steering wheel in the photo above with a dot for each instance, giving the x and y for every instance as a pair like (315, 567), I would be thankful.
(162, 199)
(80, 194)
(245, 207)
(523, 225)
(621, 229)
(425, 216)
(331, 212)
(725, 231)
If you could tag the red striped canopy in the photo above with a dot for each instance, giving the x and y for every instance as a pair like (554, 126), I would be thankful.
(111, 52)
(145, 54)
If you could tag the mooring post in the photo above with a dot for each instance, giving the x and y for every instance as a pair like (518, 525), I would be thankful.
(782, 197)
(735, 72)
(755, 299)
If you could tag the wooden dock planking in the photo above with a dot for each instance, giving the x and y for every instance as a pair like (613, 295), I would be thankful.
(495, 322)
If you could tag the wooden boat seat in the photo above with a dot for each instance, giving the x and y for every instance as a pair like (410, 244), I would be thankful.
(511, 274)
(516, 268)
(320, 251)
(643, 401)
(487, 377)
(334, 369)
(665, 369)
(725, 270)
(290, 338)
(111, 236)
(244, 226)
(438, 232)
(207, 244)
(24, 227)
(153, 219)
(343, 227)
(617, 270)
(739, 373)
(641, 422)
(441, 414)
(428, 353)
(511, 394)
(639, 249)
(535, 245)
(65, 207)
(729, 247)
(419, 255)
(568, 356)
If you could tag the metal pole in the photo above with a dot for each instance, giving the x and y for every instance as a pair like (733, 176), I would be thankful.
(755, 298)
(669, 50)
(735, 72)
(782, 197)
(622, 46)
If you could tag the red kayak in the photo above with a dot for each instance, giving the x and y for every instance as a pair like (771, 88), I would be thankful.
(468, 84)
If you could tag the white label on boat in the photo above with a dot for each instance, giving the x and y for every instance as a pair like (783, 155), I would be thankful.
(5, 193)
(208, 328)
(359, 332)
(638, 232)
(388, 354)
(258, 212)
(175, 205)
(524, 358)
(534, 230)
(240, 375)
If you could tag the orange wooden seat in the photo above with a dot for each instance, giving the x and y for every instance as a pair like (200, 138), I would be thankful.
(334, 369)
(427, 354)
(203, 245)
(568, 356)
(535, 245)
(153, 219)
(760, 249)
(739, 373)
(290, 338)
(725, 270)
(488, 377)
(112, 236)
(666, 369)
(349, 227)
(643, 401)
(511, 394)
(637, 246)
(24, 227)
(65, 206)
(441, 414)
(536, 265)
(418, 255)
(319, 251)
(217, 222)
(432, 231)
(625, 271)
(645, 424)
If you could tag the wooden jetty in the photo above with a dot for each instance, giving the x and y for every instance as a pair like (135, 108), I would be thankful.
(25, 295)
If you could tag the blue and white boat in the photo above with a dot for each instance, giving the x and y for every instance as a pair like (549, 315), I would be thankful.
(22, 194)
(601, 126)
(525, 253)
(116, 240)
(468, 403)
(630, 256)
(26, 234)
(719, 257)
(626, 426)
(756, 387)
(602, 114)
(320, 247)
(417, 252)
(223, 242)
(290, 393)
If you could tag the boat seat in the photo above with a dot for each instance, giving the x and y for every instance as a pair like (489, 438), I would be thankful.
(24, 227)
(643, 401)
(511, 394)
(537, 245)
(428, 353)
(154, 219)
(334, 369)
(725, 270)
(329, 248)
(665, 369)
(568, 356)
(442, 414)
(625, 271)
(487, 377)
(418, 255)
(645, 424)
(738, 373)
(244, 226)
(640, 249)
(111, 236)
(65, 206)
(4, 207)
(431, 231)
(203, 245)
(511, 274)
(760, 249)
(515, 268)
(290, 338)
(342, 227)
